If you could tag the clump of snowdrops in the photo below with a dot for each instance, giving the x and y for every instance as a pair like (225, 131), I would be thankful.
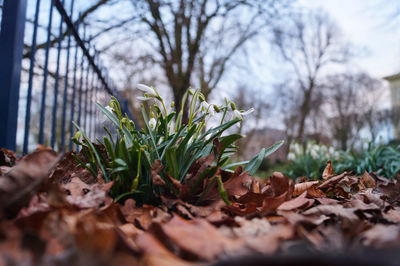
(309, 159)
(166, 147)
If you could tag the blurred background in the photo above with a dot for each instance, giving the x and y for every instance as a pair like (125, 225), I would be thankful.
(321, 72)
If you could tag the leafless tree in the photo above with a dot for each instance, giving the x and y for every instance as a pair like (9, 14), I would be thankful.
(353, 102)
(191, 42)
(175, 44)
(309, 43)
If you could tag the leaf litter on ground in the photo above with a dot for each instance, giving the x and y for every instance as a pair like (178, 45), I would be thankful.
(53, 212)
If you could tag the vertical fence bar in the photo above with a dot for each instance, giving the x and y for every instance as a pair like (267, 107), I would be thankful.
(90, 103)
(71, 126)
(54, 118)
(86, 95)
(11, 46)
(30, 80)
(85, 98)
(96, 81)
(81, 83)
(91, 97)
(65, 100)
(45, 74)
(97, 109)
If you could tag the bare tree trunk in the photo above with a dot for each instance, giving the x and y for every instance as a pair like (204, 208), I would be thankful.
(304, 111)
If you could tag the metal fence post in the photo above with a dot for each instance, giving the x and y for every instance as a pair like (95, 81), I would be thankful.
(11, 46)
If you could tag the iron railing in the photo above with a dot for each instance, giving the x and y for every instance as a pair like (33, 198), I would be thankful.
(50, 78)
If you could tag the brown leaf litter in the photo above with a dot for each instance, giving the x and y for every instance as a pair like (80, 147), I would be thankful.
(54, 213)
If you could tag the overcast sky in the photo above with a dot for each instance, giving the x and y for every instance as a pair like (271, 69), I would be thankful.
(368, 24)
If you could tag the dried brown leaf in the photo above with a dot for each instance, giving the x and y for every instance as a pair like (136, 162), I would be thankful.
(7, 157)
(367, 181)
(381, 236)
(154, 172)
(331, 182)
(301, 202)
(347, 215)
(328, 171)
(301, 187)
(193, 238)
(154, 252)
(281, 184)
(238, 184)
(23, 180)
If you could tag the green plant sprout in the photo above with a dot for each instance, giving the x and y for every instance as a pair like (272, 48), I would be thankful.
(130, 156)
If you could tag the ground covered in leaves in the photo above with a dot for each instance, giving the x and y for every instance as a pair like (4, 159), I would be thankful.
(53, 212)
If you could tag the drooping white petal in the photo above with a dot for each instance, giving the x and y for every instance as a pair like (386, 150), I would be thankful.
(314, 153)
(211, 111)
(141, 98)
(109, 108)
(204, 107)
(152, 123)
(237, 114)
(145, 88)
(248, 111)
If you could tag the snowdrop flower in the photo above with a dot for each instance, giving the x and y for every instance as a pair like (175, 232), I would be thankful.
(145, 89)
(109, 108)
(205, 107)
(323, 148)
(331, 150)
(336, 155)
(291, 156)
(314, 152)
(148, 92)
(103, 117)
(152, 123)
(297, 149)
(239, 114)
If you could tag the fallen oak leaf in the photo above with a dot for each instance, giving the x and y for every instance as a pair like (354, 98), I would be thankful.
(238, 184)
(247, 228)
(327, 201)
(367, 196)
(84, 195)
(391, 190)
(154, 173)
(143, 217)
(328, 171)
(270, 243)
(270, 204)
(315, 192)
(381, 236)
(392, 215)
(242, 209)
(155, 253)
(301, 187)
(281, 184)
(23, 180)
(7, 157)
(360, 205)
(367, 181)
(331, 182)
(192, 238)
(67, 168)
(196, 172)
(347, 215)
(301, 202)
(297, 218)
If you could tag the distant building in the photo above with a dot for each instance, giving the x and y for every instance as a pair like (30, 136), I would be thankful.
(394, 81)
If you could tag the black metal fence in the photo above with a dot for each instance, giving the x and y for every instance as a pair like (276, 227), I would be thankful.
(50, 75)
